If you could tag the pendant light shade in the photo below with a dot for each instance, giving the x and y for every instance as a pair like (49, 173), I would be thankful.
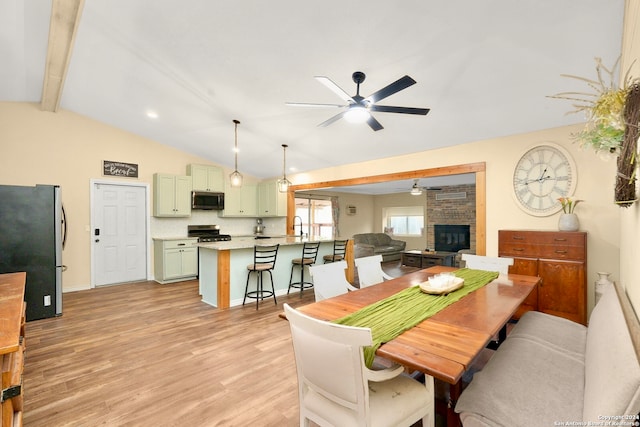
(284, 183)
(235, 178)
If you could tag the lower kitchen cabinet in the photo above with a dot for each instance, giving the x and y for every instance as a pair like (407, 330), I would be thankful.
(175, 259)
(560, 260)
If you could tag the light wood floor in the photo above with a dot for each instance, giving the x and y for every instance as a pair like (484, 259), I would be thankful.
(145, 354)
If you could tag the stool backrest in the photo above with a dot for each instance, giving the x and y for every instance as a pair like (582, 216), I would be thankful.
(265, 254)
(339, 247)
(310, 250)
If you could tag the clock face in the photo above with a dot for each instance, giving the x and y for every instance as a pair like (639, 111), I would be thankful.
(542, 175)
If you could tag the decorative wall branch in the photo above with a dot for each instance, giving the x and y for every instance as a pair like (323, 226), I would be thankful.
(626, 178)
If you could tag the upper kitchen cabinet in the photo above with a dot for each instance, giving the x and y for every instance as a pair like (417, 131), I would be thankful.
(206, 178)
(171, 195)
(241, 201)
(271, 202)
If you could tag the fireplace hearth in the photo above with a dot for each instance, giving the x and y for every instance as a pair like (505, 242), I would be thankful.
(451, 238)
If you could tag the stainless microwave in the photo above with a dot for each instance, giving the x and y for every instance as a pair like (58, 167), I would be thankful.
(207, 200)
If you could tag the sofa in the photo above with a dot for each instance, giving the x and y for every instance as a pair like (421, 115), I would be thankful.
(369, 244)
(552, 371)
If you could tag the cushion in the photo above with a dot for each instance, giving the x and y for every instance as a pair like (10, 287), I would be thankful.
(612, 377)
(504, 394)
(557, 332)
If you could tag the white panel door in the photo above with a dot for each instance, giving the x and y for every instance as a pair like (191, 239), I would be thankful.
(119, 234)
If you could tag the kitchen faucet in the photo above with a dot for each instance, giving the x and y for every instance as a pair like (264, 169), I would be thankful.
(294, 225)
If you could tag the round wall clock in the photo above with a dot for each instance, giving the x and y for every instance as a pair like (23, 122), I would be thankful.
(542, 175)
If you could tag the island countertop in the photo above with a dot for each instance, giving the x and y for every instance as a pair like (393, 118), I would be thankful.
(250, 242)
(223, 265)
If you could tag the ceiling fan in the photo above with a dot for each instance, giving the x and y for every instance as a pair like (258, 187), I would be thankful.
(417, 191)
(358, 109)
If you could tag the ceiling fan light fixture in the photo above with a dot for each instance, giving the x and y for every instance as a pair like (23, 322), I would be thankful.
(415, 190)
(284, 183)
(357, 114)
(235, 178)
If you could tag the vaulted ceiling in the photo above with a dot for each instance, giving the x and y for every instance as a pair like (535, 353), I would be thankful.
(484, 68)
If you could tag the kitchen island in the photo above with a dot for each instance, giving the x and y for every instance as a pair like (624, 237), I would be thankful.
(223, 266)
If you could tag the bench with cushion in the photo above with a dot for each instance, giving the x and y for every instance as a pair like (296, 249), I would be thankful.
(552, 371)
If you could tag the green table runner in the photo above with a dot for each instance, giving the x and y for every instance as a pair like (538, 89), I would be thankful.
(393, 315)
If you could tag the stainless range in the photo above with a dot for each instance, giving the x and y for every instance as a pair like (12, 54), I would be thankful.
(207, 233)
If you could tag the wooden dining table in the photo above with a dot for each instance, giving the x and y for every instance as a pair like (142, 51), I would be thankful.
(446, 344)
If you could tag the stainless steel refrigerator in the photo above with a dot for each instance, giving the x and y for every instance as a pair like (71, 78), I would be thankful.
(32, 229)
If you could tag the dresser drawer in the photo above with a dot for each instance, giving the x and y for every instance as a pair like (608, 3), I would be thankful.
(542, 237)
(551, 251)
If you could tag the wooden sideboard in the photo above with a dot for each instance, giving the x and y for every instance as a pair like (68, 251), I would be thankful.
(560, 260)
(12, 346)
(426, 259)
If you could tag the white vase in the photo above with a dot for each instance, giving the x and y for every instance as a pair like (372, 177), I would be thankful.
(568, 222)
(602, 283)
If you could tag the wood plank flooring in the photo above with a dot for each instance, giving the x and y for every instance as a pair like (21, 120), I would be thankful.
(145, 354)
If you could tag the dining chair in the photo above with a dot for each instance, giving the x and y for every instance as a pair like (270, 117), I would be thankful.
(487, 263)
(264, 260)
(335, 388)
(370, 270)
(308, 258)
(329, 280)
(339, 251)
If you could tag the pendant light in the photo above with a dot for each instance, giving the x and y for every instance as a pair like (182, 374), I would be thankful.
(235, 177)
(284, 183)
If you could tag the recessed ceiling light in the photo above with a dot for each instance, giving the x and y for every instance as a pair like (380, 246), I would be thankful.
(152, 114)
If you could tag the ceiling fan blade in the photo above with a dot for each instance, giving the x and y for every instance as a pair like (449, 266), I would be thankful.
(403, 110)
(306, 104)
(397, 86)
(332, 119)
(335, 89)
(374, 124)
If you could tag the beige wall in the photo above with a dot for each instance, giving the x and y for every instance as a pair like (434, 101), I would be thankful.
(67, 149)
(596, 178)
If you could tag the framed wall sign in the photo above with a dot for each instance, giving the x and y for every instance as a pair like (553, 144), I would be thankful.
(110, 168)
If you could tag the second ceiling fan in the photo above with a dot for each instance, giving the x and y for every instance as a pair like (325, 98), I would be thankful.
(358, 109)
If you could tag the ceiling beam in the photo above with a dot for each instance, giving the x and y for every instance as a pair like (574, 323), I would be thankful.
(65, 19)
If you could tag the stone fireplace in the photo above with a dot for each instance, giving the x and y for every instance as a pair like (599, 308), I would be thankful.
(455, 210)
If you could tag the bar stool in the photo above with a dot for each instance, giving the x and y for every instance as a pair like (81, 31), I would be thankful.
(309, 254)
(264, 260)
(339, 249)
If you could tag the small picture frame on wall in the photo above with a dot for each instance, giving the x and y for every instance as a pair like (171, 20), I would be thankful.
(351, 210)
(111, 168)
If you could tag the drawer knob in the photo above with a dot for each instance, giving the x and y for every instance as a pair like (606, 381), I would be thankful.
(518, 238)
(560, 240)
(561, 251)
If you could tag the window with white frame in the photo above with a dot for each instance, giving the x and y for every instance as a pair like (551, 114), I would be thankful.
(404, 220)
